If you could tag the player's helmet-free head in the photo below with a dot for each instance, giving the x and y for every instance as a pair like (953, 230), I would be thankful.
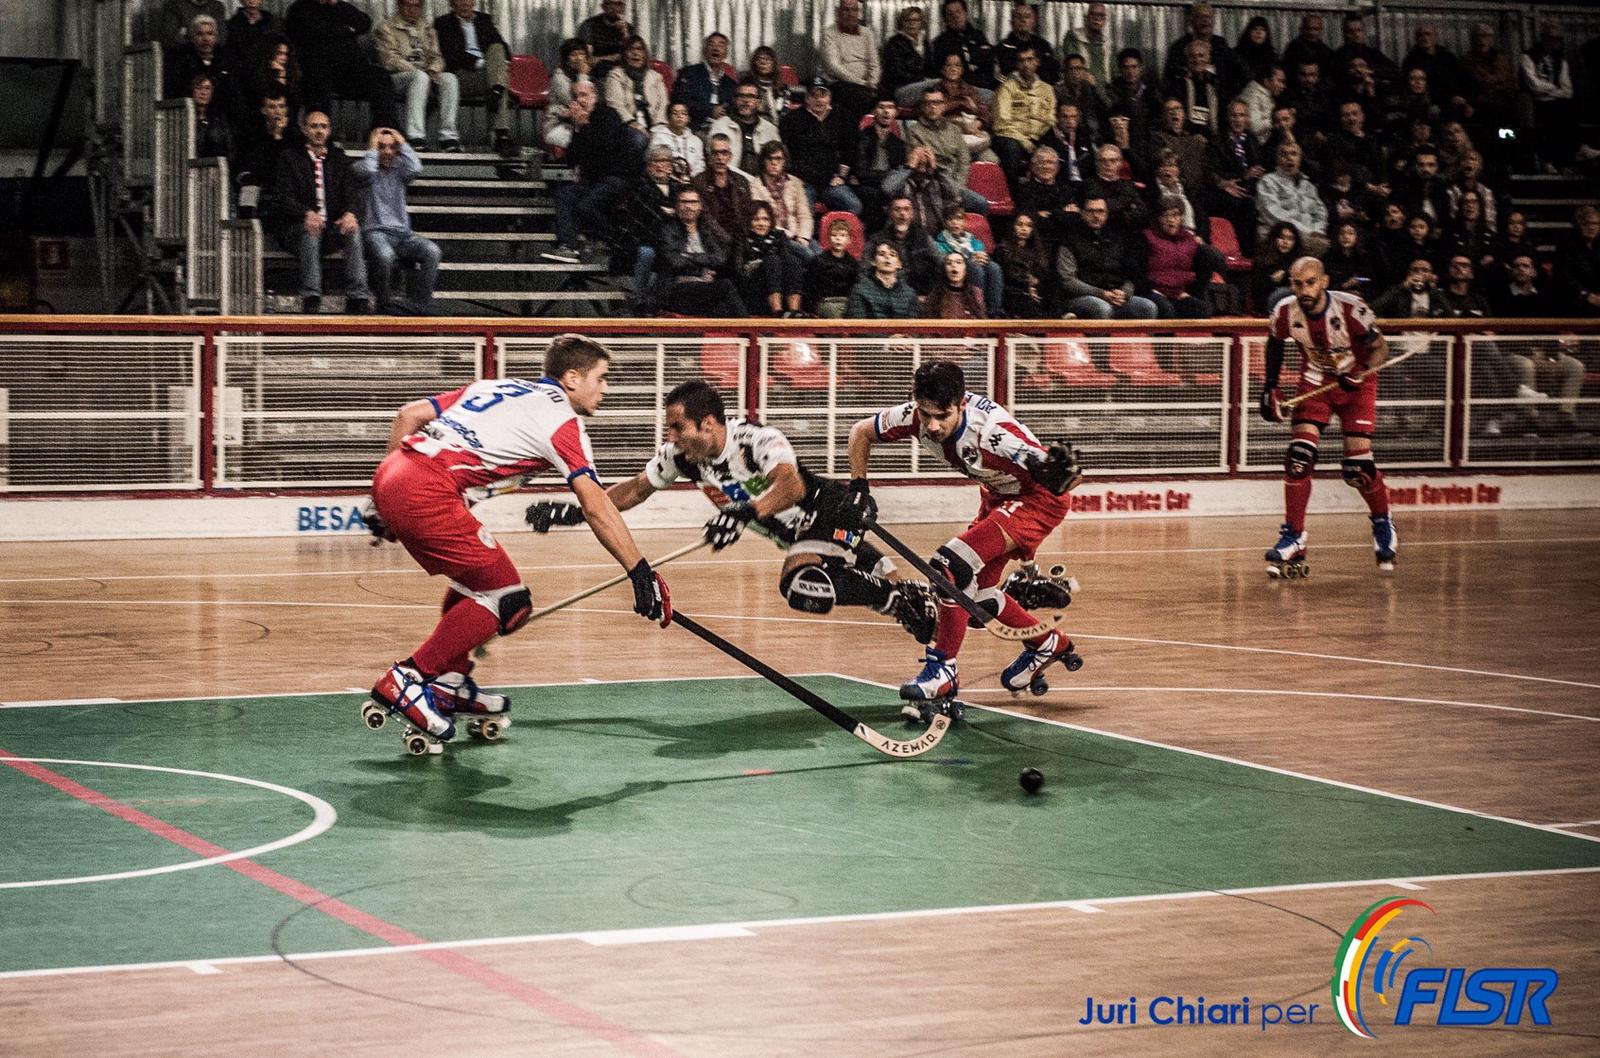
(572, 352)
(940, 383)
(699, 399)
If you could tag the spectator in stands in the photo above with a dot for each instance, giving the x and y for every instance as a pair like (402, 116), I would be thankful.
(1255, 49)
(1025, 267)
(382, 174)
(1234, 165)
(201, 54)
(1495, 371)
(636, 91)
(955, 298)
(1190, 148)
(786, 194)
(1547, 77)
(904, 57)
(1224, 63)
(770, 274)
(607, 34)
(1417, 297)
(1135, 152)
(821, 143)
(1394, 243)
(983, 270)
(1193, 86)
(848, 58)
(882, 294)
(1260, 96)
(1078, 88)
(572, 69)
(1179, 264)
(1352, 264)
(315, 208)
(831, 274)
(1423, 190)
(1122, 195)
(688, 150)
(1025, 34)
(480, 59)
(273, 71)
(746, 129)
(1313, 104)
(961, 37)
(1577, 278)
(245, 31)
(1461, 288)
(1131, 92)
(1048, 198)
(1024, 108)
(1074, 148)
(325, 34)
(1309, 46)
(1454, 146)
(1355, 46)
(1411, 104)
(1269, 275)
(408, 47)
(724, 191)
(1356, 148)
(706, 87)
(641, 212)
(948, 143)
(1515, 238)
(1493, 82)
(1446, 84)
(1091, 41)
(1556, 372)
(1470, 232)
(1522, 295)
(1358, 84)
(913, 245)
(930, 189)
(1422, 241)
(1470, 178)
(690, 258)
(1345, 198)
(965, 105)
(257, 156)
(604, 160)
(766, 73)
(880, 149)
(1169, 186)
(177, 18)
(213, 135)
(1284, 130)
(1287, 195)
(1096, 268)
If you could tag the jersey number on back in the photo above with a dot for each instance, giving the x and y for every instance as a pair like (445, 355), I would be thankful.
(502, 390)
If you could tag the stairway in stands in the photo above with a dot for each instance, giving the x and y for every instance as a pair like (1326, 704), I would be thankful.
(1548, 202)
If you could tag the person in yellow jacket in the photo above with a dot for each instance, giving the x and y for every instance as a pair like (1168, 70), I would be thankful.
(1024, 110)
(408, 51)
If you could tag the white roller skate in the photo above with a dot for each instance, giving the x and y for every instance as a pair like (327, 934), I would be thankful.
(403, 693)
(1287, 558)
(933, 690)
(1385, 541)
(487, 714)
(1027, 672)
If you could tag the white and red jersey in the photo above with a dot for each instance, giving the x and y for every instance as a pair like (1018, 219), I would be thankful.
(1337, 342)
(989, 446)
(492, 435)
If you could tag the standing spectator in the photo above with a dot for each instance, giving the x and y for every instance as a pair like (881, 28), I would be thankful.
(1418, 297)
(770, 274)
(1024, 108)
(572, 69)
(746, 129)
(1445, 81)
(245, 31)
(408, 47)
(1547, 77)
(1224, 63)
(1090, 41)
(1096, 268)
(325, 36)
(480, 59)
(821, 144)
(1131, 92)
(382, 174)
(705, 87)
(1189, 147)
(1119, 191)
(1234, 165)
(1178, 264)
(766, 74)
(848, 56)
(961, 37)
(904, 58)
(1310, 47)
(636, 91)
(688, 151)
(315, 209)
(690, 256)
(880, 150)
(786, 194)
(1269, 275)
(1072, 146)
(1255, 49)
(1493, 80)
(213, 135)
(201, 54)
(1577, 278)
(1025, 266)
(1353, 265)
(1287, 195)
(604, 158)
(177, 18)
(831, 274)
(724, 190)
(1025, 34)
(984, 270)
(1194, 87)
(640, 214)
(912, 243)
(882, 294)
(1355, 46)
(955, 298)
(1078, 88)
(1260, 97)
(607, 34)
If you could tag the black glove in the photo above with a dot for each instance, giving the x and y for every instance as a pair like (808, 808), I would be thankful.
(728, 524)
(859, 506)
(376, 525)
(1060, 469)
(1348, 382)
(1269, 404)
(651, 599)
(547, 513)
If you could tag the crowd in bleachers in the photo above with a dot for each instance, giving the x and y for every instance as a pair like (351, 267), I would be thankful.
(935, 174)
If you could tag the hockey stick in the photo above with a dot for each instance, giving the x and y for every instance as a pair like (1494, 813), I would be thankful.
(942, 584)
(893, 747)
(1300, 398)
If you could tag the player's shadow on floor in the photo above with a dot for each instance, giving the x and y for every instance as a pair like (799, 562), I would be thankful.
(773, 731)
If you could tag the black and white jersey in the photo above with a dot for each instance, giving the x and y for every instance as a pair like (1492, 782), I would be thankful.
(741, 473)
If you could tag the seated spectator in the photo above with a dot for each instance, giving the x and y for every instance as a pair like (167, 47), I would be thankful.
(914, 248)
(1025, 34)
(1362, 87)
(1354, 48)
(1269, 275)
(1091, 41)
(1556, 372)
(961, 37)
(1309, 46)
(1547, 77)
(1178, 264)
(1446, 84)
(1025, 267)
(1515, 238)
(606, 33)
(931, 191)
(1351, 144)
(879, 151)
(257, 157)
(1193, 86)
(245, 31)
(882, 294)
(1260, 97)
(786, 194)
(1227, 66)
(1286, 195)
(951, 154)
(831, 275)
(1312, 102)
(904, 58)
(1168, 184)
(326, 37)
(1418, 297)
(1411, 103)
(1496, 372)
(690, 259)
(315, 205)
(1024, 109)
(1133, 150)
(1454, 146)
(1470, 178)
(1345, 199)
(1394, 243)
(848, 58)
(408, 48)
(1048, 200)
(201, 54)
(382, 174)
(572, 69)
(1461, 287)
(1096, 268)
(273, 71)
(1234, 164)
(821, 143)
(1122, 195)
(724, 191)
(747, 130)
(956, 298)
(1285, 130)
(705, 88)
(177, 18)
(1188, 148)
(604, 160)
(636, 91)
(1132, 94)
(640, 214)
(1524, 295)
(1352, 263)
(1577, 278)
(1256, 52)
(766, 74)
(479, 58)
(770, 274)
(983, 270)
(1470, 233)
(1079, 89)
(966, 105)
(213, 135)
(1073, 148)
(688, 152)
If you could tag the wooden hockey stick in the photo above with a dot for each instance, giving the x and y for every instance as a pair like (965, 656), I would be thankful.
(892, 747)
(1285, 406)
(942, 585)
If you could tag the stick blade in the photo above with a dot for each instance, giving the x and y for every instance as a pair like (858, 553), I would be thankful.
(913, 747)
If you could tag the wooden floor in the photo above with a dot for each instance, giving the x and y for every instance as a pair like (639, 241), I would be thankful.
(1471, 677)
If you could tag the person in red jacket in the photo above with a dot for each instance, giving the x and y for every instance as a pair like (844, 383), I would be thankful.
(1179, 265)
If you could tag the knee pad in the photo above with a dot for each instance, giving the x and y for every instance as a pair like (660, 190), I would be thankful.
(1360, 472)
(959, 562)
(991, 601)
(513, 609)
(809, 589)
(1299, 459)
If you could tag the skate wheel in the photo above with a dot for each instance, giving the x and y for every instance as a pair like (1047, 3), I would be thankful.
(1305, 571)
(490, 730)
(419, 745)
(373, 715)
(1038, 687)
(1073, 662)
(1274, 572)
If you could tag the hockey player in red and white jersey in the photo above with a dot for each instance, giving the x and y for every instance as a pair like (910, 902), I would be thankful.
(450, 451)
(1023, 486)
(1339, 341)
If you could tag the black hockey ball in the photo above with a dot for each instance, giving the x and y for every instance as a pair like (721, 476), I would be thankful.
(1031, 779)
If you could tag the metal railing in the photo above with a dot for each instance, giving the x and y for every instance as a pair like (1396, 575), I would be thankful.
(242, 286)
(206, 211)
(141, 91)
(174, 147)
(1528, 397)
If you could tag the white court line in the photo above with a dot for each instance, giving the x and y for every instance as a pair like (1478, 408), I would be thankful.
(1585, 823)
(45, 703)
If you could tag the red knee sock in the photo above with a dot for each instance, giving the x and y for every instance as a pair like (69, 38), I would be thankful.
(460, 630)
(1296, 494)
(1377, 495)
(951, 631)
(462, 662)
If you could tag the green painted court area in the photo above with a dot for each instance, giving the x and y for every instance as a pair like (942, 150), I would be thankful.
(627, 806)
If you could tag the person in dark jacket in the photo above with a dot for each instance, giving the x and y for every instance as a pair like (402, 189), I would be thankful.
(213, 135)
(904, 56)
(315, 209)
(690, 259)
(705, 88)
(480, 58)
(961, 37)
(640, 214)
(1578, 265)
(604, 33)
(882, 294)
(203, 54)
(257, 156)
(831, 274)
(821, 147)
(918, 259)
(769, 273)
(1096, 268)
(1045, 196)
(1417, 297)
(324, 34)
(1025, 34)
(604, 161)
(1353, 263)
(1025, 264)
(880, 150)
(245, 30)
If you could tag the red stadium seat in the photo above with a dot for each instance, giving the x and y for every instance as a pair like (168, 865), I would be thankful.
(1226, 240)
(665, 71)
(529, 81)
(858, 234)
(801, 365)
(989, 180)
(1136, 362)
(719, 363)
(978, 225)
(786, 75)
(1069, 361)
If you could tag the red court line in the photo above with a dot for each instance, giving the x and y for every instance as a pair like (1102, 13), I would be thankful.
(544, 1002)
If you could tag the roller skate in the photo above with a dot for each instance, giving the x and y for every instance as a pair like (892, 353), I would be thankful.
(933, 691)
(486, 713)
(1287, 559)
(1027, 672)
(913, 605)
(1385, 541)
(404, 694)
(1035, 590)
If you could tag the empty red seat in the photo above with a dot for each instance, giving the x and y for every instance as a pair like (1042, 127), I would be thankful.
(989, 180)
(1136, 362)
(1069, 361)
(719, 364)
(1226, 240)
(528, 81)
(978, 226)
(666, 72)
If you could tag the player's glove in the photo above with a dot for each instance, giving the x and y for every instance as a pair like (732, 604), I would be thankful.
(1060, 469)
(1270, 398)
(545, 514)
(859, 507)
(651, 599)
(376, 525)
(728, 524)
(1349, 382)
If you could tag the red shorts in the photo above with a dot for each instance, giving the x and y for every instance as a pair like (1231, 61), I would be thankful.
(1027, 520)
(1357, 409)
(420, 505)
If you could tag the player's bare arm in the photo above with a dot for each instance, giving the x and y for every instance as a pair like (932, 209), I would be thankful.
(788, 489)
(863, 435)
(606, 521)
(626, 495)
(411, 418)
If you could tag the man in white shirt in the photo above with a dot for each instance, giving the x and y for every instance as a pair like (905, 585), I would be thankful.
(848, 55)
